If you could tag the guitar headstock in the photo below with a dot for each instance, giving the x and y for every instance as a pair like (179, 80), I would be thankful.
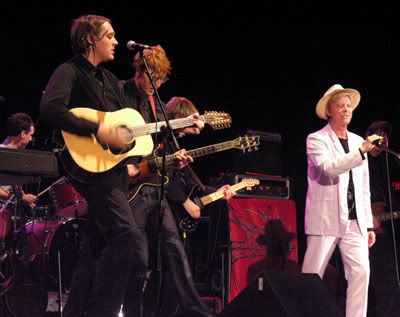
(250, 182)
(218, 119)
(246, 142)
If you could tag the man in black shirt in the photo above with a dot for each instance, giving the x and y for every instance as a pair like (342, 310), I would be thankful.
(140, 95)
(108, 259)
(383, 269)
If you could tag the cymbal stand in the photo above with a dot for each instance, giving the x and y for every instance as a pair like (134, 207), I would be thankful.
(4, 209)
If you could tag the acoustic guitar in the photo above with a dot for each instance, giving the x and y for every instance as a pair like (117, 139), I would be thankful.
(244, 143)
(86, 155)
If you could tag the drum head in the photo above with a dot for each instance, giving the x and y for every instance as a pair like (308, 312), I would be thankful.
(56, 246)
(66, 245)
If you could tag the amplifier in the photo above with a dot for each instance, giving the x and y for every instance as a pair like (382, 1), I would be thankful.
(272, 187)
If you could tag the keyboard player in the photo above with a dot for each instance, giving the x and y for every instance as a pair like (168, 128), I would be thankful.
(19, 132)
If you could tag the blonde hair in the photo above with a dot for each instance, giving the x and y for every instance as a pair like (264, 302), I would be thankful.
(180, 107)
(335, 97)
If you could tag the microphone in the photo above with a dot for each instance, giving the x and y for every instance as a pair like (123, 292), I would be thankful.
(380, 143)
(133, 46)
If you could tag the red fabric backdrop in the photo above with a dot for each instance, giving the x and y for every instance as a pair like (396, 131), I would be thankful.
(263, 237)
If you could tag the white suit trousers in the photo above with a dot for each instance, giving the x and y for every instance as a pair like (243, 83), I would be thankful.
(354, 252)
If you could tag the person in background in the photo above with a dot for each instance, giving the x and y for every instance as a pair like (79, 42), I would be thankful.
(184, 185)
(19, 129)
(382, 259)
(182, 181)
(141, 96)
(338, 209)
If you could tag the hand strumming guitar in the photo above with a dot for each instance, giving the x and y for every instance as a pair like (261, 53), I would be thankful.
(133, 170)
(114, 137)
(192, 208)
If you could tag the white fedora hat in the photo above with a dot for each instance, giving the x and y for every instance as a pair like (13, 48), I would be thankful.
(332, 91)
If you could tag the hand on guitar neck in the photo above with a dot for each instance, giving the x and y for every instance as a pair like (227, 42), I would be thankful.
(146, 169)
(198, 123)
(194, 210)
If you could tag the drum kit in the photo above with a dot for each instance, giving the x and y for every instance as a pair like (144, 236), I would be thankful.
(53, 234)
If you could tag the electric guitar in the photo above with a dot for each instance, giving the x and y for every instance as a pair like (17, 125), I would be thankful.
(379, 213)
(92, 156)
(245, 143)
(190, 224)
(387, 216)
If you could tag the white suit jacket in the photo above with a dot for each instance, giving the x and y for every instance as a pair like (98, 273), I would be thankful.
(326, 210)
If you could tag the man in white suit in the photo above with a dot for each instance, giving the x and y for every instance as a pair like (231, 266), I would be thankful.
(338, 207)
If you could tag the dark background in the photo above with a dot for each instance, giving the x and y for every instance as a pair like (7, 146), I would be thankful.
(267, 65)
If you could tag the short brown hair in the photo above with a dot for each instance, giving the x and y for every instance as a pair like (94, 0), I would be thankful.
(82, 27)
(18, 122)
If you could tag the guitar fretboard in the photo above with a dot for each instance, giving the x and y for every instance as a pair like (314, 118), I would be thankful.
(387, 216)
(156, 126)
(202, 151)
(219, 194)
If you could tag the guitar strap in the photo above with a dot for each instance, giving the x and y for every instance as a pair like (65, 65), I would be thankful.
(153, 106)
(190, 173)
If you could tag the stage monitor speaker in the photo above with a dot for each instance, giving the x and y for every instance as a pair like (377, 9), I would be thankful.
(286, 294)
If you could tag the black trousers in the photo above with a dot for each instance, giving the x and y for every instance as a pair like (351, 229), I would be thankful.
(383, 283)
(100, 280)
(145, 208)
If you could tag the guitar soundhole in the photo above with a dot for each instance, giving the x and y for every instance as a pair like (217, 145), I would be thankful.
(124, 150)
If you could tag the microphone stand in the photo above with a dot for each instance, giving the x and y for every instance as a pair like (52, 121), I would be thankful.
(397, 156)
(166, 134)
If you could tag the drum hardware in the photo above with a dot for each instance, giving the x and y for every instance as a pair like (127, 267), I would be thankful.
(67, 200)
(60, 287)
(6, 216)
(53, 245)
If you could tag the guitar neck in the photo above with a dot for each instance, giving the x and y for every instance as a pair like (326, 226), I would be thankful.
(155, 127)
(208, 199)
(387, 216)
(205, 150)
